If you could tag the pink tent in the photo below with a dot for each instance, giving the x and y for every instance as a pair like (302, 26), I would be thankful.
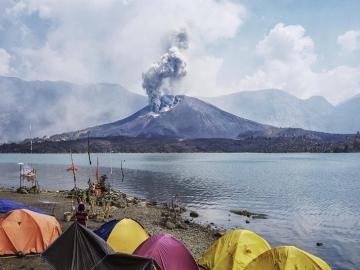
(168, 252)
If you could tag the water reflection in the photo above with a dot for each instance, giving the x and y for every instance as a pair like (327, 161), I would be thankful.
(308, 197)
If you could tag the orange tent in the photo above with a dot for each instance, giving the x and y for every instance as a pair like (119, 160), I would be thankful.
(24, 231)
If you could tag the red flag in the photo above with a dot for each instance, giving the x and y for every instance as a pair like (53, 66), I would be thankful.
(72, 168)
(97, 169)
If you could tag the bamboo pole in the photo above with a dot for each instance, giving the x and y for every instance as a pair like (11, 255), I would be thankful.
(73, 169)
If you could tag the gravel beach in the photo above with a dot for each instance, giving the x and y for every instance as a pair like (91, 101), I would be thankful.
(196, 237)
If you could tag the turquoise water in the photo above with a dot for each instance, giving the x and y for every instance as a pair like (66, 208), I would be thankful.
(309, 197)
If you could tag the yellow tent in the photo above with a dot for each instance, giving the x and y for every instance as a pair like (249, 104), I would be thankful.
(233, 251)
(287, 258)
(126, 236)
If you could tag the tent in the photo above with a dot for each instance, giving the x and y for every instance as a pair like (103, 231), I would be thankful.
(168, 252)
(233, 250)
(287, 258)
(124, 235)
(77, 248)
(9, 205)
(24, 231)
(122, 261)
(105, 229)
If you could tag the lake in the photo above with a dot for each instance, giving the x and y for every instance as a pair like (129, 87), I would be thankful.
(309, 198)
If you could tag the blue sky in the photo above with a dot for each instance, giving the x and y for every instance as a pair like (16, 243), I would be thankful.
(303, 47)
(323, 20)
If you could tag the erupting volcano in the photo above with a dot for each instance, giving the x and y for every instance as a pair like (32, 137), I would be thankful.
(178, 116)
(162, 75)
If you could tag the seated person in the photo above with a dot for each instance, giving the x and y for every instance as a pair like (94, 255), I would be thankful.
(81, 216)
(76, 208)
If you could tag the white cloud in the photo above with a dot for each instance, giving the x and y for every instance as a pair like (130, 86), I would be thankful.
(115, 41)
(4, 62)
(287, 44)
(202, 77)
(339, 83)
(288, 63)
(350, 40)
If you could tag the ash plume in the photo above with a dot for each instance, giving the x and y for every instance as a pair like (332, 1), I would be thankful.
(170, 67)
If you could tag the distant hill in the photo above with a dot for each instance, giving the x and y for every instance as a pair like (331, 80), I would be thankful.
(345, 118)
(54, 107)
(277, 108)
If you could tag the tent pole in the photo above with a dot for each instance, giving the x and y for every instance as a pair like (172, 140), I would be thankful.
(20, 176)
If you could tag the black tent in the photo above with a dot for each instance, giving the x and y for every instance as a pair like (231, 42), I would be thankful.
(77, 248)
(120, 261)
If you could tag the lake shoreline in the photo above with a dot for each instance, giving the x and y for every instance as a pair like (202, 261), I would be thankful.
(151, 215)
(331, 143)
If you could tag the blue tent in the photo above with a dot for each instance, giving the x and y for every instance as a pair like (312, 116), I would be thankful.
(105, 229)
(9, 205)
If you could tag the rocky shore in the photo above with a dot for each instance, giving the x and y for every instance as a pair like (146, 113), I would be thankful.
(155, 218)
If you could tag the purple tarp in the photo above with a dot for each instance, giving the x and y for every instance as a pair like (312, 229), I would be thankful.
(168, 252)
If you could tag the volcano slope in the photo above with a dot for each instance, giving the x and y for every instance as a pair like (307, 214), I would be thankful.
(179, 117)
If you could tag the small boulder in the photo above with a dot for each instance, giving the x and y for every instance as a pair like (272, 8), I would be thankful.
(130, 199)
(218, 233)
(170, 225)
(119, 203)
(152, 203)
(142, 204)
(260, 216)
(182, 225)
(194, 214)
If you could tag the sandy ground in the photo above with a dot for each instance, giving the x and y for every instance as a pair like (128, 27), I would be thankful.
(197, 238)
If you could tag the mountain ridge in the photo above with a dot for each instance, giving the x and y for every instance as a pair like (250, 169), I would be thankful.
(54, 107)
(279, 108)
(57, 107)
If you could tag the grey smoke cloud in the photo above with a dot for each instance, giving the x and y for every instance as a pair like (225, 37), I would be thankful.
(180, 40)
(170, 68)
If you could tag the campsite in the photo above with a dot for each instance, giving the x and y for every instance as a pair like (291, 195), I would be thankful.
(197, 238)
(134, 238)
